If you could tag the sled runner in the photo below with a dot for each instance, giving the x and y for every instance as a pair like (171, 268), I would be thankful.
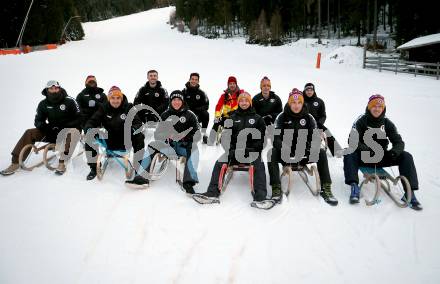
(33, 151)
(383, 179)
(225, 176)
(105, 156)
(308, 173)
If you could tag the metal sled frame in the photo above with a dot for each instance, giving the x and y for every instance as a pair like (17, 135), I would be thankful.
(161, 161)
(304, 172)
(381, 178)
(106, 155)
(227, 171)
(36, 149)
(218, 136)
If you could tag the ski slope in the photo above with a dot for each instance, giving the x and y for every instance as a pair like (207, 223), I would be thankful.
(67, 230)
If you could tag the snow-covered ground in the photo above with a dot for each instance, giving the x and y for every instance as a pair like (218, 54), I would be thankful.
(67, 230)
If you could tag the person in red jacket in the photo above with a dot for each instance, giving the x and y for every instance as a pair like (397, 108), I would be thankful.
(227, 103)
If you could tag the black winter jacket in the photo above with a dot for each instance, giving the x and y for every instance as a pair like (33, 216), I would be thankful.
(296, 121)
(367, 121)
(245, 119)
(270, 107)
(89, 100)
(113, 120)
(55, 113)
(316, 107)
(195, 98)
(157, 98)
(185, 119)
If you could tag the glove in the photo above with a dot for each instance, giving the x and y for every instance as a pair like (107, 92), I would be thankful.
(218, 119)
(390, 155)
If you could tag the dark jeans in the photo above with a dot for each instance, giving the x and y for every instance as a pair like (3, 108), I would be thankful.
(274, 170)
(203, 118)
(260, 190)
(405, 161)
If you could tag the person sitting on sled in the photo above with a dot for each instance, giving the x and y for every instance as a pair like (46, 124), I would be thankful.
(295, 117)
(244, 120)
(179, 128)
(111, 116)
(374, 118)
(55, 112)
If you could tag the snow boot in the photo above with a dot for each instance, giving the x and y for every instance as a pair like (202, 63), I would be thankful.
(61, 169)
(208, 197)
(10, 170)
(265, 204)
(277, 194)
(414, 203)
(92, 174)
(188, 187)
(327, 195)
(355, 193)
(138, 182)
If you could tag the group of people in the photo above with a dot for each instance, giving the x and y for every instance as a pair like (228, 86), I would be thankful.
(181, 119)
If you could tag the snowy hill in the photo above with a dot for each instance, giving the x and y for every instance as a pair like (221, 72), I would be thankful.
(67, 230)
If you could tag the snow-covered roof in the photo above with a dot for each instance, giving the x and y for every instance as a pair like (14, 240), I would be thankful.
(421, 41)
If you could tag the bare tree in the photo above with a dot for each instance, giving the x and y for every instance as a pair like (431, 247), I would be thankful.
(193, 25)
(276, 27)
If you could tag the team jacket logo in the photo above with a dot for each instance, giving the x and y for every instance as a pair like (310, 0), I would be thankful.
(182, 119)
(92, 103)
(382, 128)
(156, 95)
(98, 96)
(198, 97)
(315, 104)
(63, 107)
(123, 116)
(302, 122)
(272, 100)
(251, 121)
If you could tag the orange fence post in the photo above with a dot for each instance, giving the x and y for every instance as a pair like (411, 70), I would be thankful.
(318, 61)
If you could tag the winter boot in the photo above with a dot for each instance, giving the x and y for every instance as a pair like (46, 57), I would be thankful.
(414, 203)
(61, 169)
(277, 194)
(10, 170)
(208, 197)
(139, 182)
(188, 187)
(92, 174)
(355, 193)
(327, 195)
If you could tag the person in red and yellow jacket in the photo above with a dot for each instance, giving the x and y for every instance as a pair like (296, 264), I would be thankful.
(227, 103)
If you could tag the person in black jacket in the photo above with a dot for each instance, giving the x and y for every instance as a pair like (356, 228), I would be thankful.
(266, 103)
(154, 95)
(197, 101)
(243, 119)
(90, 98)
(54, 113)
(178, 129)
(111, 116)
(296, 117)
(375, 119)
(316, 107)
